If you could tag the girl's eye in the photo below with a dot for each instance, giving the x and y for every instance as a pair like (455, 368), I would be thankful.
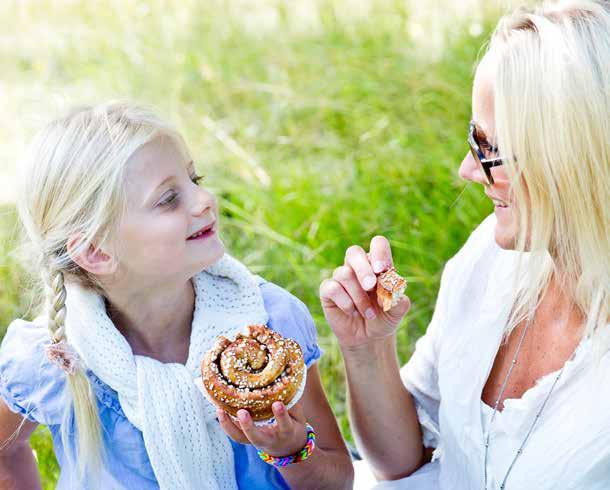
(169, 200)
(196, 179)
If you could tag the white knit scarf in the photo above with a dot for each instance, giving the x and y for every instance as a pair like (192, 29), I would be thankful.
(185, 444)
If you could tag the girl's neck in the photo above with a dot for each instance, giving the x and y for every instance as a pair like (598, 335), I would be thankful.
(155, 323)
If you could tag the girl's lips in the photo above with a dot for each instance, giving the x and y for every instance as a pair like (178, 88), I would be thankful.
(205, 232)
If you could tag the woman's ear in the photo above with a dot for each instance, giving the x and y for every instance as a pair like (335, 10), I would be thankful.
(90, 258)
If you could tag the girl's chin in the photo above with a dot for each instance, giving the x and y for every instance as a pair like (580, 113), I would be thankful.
(212, 252)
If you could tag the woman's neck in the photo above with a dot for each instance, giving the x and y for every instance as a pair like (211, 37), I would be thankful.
(558, 304)
(156, 323)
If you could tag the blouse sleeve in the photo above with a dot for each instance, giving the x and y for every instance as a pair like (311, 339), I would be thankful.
(29, 384)
(420, 374)
(290, 318)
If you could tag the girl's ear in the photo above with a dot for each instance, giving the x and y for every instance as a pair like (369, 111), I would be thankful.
(92, 259)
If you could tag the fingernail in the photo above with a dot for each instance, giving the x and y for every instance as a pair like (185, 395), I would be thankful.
(370, 313)
(355, 313)
(369, 282)
(378, 266)
(242, 415)
(279, 407)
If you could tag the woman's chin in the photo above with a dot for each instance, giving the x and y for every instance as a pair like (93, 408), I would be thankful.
(504, 238)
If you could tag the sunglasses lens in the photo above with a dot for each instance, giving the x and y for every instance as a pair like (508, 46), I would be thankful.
(485, 171)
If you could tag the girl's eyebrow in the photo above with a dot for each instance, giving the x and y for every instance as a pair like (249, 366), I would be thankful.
(154, 191)
(190, 165)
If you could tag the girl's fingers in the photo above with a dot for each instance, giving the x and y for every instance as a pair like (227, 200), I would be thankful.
(332, 293)
(249, 429)
(297, 412)
(345, 276)
(356, 258)
(230, 428)
(380, 254)
(282, 417)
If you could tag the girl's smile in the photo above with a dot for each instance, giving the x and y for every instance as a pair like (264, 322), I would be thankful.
(204, 232)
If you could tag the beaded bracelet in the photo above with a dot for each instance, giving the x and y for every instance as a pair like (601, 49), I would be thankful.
(297, 457)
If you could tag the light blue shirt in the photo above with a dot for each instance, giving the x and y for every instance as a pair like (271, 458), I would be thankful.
(33, 387)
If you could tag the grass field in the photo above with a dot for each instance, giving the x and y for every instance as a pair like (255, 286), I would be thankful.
(315, 135)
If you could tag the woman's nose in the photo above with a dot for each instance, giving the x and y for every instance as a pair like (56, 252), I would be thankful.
(471, 170)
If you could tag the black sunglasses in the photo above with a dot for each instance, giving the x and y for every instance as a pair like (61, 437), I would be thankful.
(485, 163)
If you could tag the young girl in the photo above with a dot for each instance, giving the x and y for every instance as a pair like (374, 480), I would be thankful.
(138, 287)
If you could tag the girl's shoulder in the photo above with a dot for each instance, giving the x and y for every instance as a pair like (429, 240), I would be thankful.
(29, 383)
(289, 316)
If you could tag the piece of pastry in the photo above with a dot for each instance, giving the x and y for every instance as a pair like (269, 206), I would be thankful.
(390, 288)
(253, 371)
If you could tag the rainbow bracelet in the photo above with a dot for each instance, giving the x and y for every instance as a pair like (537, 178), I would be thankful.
(302, 455)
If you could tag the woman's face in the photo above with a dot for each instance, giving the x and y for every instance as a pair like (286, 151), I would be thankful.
(483, 115)
(159, 236)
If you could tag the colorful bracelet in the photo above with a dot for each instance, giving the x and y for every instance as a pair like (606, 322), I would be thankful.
(302, 455)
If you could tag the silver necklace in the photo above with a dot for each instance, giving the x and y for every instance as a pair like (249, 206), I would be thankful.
(493, 416)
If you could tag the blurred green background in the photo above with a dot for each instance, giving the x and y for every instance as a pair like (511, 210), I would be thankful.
(319, 124)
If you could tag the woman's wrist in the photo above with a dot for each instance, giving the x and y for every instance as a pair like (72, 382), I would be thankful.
(370, 349)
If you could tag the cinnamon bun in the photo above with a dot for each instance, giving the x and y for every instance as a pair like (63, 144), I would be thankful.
(390, 288)
(253, 371)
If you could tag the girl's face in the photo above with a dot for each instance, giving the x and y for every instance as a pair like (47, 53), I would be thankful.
(483, 115)
(170, 228)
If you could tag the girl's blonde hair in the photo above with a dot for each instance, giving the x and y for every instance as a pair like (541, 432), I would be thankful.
(73, 186)
(552, 106)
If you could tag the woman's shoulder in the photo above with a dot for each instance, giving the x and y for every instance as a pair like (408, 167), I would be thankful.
(29, 383)
(478, 256)
(289, 316)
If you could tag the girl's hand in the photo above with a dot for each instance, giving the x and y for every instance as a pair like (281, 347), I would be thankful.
(285, 437)
(349, 298)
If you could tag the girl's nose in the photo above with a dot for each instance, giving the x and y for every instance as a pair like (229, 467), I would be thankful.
(471, 170)
(203, 201)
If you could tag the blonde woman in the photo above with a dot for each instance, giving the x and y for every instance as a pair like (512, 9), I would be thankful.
(138, 287)
(508, 388)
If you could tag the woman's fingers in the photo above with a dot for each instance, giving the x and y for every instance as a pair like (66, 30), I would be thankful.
(332, 293)
(230, 428)
(380, 254)
(356, 259)
(346, 276)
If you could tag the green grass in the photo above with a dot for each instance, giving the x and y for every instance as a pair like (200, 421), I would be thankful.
(315, 138)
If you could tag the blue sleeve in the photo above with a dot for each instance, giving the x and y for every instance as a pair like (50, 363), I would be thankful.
(290, 318)
(29, 384)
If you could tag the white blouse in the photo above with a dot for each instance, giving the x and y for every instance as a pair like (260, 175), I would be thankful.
(569, 447)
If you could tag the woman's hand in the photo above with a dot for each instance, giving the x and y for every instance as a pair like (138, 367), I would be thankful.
(349, 298)
(285, 437)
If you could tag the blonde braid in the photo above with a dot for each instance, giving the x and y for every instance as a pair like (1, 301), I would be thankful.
(88, 450)
(56, 299)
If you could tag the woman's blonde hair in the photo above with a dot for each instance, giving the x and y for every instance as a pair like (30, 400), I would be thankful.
(73, 185)
(552, 107)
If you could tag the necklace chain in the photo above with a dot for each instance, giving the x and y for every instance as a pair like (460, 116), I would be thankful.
(497, 402)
